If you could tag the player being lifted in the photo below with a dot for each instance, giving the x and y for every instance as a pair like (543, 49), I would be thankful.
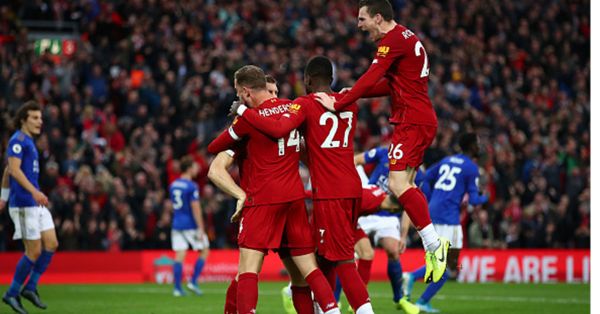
(188, 227)
(274, 214)
(27, 207)
(452, 178)
(400, 69)
(336, 185)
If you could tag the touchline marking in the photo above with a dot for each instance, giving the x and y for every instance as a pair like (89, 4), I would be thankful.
(167, 290)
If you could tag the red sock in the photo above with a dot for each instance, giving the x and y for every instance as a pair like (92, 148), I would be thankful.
(364, 270)
(247, 293)
(353, 286)
(323, 292)
(415, 205)
(231, 297)
(303, 302)
(327, 268)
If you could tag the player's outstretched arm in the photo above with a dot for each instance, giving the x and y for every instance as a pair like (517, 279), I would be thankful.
(475, 198)
(238, 129)
(218, 173)
(14, 169)
(359, 159)
(271, 126)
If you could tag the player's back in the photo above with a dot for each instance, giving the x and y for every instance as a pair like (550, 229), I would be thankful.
(329, 140)
(449, 178)
(22, 146)
(269, 167)
(182, 193)
(408, 77)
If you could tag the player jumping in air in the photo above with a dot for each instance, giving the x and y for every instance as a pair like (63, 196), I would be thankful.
(27, 207)
(400, 69)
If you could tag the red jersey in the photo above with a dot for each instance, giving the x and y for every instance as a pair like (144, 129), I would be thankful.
(329, 143)
(268, 166)
(400, 69)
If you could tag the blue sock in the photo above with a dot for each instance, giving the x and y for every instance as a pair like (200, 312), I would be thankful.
(338, 289)
(419, 273)
(394, 271)
(177, 274)
(432, 289)
(39, 268)
(23, 269)
(197, 270)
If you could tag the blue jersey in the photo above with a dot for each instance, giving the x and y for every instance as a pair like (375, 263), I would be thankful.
(452, 178)
(380, 175)
(183, 192)
(23, 147)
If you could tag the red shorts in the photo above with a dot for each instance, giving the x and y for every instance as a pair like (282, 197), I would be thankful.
(408, 146)
(372, 197)
(282, 226)
(359, 234)
(335, 222)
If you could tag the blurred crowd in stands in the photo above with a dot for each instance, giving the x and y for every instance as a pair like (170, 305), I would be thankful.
(151, 81)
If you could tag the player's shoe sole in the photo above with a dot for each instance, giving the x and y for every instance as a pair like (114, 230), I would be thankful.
(435, 262)
(15, 304)
(407, 307)
(34, 298)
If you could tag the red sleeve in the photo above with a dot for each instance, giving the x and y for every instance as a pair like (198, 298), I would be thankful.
(382, 88)
(281, 127)
(387, 53)
(238, 129)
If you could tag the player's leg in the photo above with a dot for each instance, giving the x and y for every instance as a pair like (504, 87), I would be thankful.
(301, 298)
(178, 272)
(231, 297)
(49, 246)
(338, 219)
(365, 252)
(202, 246)
(23, 219)
(250, 264)
(298, 238)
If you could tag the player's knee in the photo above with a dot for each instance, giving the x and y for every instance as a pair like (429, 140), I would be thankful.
(52, 246)
(399, 186)
(367, 253)
(34, 253)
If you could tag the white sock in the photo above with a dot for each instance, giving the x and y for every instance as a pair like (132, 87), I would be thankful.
(430, 238)
(365, 309)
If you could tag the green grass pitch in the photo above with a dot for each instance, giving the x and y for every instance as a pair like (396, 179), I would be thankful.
(453, 298)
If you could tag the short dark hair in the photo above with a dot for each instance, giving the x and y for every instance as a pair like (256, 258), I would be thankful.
(186, 163)
(23, 113)
(319, 67)
(383, 7)
(251, 76)
(467, 141)
(270, 79)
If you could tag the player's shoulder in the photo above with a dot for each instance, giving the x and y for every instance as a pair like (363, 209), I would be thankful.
(396, 36)
(18, 136)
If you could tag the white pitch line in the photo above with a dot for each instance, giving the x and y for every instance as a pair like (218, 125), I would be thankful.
(512, 299)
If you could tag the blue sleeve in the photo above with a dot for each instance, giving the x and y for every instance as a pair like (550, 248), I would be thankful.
(371, 156)
(195, 193)
(16, 148)
(474, 197)
(430, 176)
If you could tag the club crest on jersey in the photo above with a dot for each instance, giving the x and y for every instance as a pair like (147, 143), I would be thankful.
(294, 108)
(382, 51)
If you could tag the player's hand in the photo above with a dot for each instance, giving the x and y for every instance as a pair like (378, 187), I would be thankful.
(238, 209)
(200, 236)
(234, 107)
(2, 204)
(345, 90)
(40, 198)
(402, 245)
(326, 101)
